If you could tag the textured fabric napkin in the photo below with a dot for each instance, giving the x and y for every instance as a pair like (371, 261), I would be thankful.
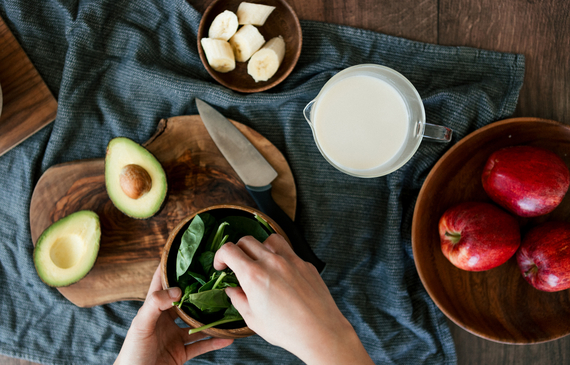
(117, 67)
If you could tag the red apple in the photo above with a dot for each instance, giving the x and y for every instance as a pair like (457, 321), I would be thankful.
(544, 256)
(478, 236)
(528, 181)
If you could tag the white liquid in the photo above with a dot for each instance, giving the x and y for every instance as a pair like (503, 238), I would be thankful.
(361, 122)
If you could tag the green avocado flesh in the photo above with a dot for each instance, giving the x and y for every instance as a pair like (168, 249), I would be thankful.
(135, 180)
(67, 250)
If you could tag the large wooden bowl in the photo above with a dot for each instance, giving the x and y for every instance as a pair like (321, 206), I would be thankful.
(497, 304)
(168, 263)
(282, 22)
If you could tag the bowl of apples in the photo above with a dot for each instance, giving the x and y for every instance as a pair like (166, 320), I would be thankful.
(491, 232)
(249, 46)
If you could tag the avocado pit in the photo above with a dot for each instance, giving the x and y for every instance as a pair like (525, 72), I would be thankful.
(135, 181)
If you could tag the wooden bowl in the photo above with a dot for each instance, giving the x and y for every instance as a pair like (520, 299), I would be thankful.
(283, 21)
(497, 304)
(168, 263)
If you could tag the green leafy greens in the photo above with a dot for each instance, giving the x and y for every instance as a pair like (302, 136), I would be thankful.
(203, 286)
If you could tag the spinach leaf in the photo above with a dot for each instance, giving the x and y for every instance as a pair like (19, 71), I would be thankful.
(187, 291)
(210, 301)
(243, 226)
(225, 284)
(232, 312)
(264, 223)
(188, 245)
(207, 261)
(219, 238)
(219, 279)
(213, 279)
(230, 279)
(230, 315)
(199, 278)
(194, 312)
(185, 280)
(209, 222)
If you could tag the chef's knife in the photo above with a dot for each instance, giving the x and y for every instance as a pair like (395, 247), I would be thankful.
(256, 173)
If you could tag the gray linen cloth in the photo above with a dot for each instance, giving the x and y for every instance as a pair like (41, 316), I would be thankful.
(117, 67)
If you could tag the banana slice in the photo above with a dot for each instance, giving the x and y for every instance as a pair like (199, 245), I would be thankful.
(256, 14)
(219, 54)
(224, 26)
(246, 42)
(265, 62)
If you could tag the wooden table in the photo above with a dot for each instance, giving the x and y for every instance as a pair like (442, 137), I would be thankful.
(538, 29)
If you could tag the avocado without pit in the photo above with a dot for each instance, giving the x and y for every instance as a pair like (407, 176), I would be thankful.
(67, 250)
(135, 180)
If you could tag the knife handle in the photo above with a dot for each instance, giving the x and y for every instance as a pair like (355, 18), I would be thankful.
(265, 202)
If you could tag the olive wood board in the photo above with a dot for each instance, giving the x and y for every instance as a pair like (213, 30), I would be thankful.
(496, 304)
(198, 176)
(28, 103)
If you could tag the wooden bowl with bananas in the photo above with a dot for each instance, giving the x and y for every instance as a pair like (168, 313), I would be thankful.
(249, 46)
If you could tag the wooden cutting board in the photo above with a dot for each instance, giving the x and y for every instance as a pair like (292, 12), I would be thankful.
(28, 104)
(198, 176)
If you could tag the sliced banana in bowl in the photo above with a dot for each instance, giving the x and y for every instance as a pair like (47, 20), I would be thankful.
(266, 43)
(224, 26)
(264, 63)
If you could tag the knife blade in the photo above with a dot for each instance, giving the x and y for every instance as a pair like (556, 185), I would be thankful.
(256, 173)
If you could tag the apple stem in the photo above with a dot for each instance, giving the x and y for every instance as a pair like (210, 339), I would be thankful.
(533, 269)
(453, 237)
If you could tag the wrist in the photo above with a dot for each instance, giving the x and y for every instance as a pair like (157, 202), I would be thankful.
(340, 346)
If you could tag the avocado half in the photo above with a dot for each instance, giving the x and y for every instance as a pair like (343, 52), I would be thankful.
(135, 180)
(67, 250)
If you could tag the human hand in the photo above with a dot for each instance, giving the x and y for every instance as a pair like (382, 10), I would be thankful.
(154, 338)
(284, 300)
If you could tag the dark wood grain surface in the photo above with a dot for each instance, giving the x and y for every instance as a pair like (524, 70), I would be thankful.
(538, 29)
(28, 105)
(131, 248)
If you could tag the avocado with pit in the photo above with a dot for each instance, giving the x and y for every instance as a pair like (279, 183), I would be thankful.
(134, 178)
(67, 250)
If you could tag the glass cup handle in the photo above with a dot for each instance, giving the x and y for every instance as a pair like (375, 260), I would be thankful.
(437, 133)
(307, 111)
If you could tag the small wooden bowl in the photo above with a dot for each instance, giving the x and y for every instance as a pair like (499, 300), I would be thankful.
(168, 262)
(283, 21)
(497, 304)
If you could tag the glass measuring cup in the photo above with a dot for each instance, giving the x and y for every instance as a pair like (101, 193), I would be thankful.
(369, 120)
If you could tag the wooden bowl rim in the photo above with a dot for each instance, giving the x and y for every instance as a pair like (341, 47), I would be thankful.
(212, 331)
(263, 85)
(416, 231)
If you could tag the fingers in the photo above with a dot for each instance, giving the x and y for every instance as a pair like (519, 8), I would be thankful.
(239, 300)
(232, 256)
(155, 282)
(254, 250)
(201, 347)
(277, 244)
(252, 247)
(155, 303)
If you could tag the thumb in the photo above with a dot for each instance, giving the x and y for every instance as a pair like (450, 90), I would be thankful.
(156, 303)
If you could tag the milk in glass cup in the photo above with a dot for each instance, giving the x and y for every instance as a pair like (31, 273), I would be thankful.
(369, 120)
